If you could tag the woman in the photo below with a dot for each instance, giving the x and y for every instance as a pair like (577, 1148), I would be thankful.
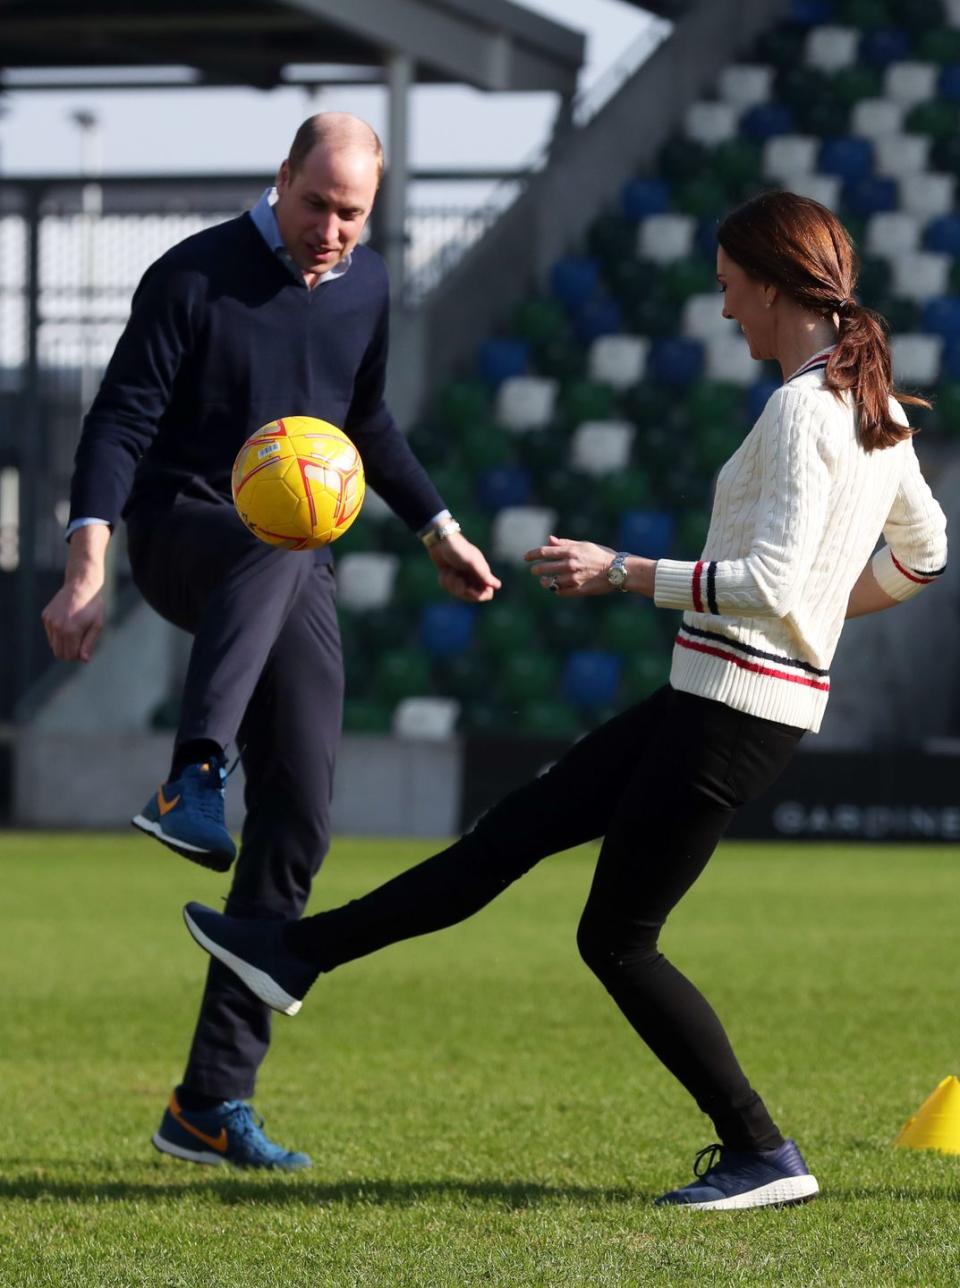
(799, 507)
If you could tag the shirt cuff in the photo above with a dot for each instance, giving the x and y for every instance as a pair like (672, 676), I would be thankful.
(83, 523)
(435, 522)
(673, 584)
(899, 581)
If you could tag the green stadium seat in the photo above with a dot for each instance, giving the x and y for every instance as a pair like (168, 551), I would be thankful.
(417, 582)
(868, 15)
(874, 280)
(463, 403)
(941, 46)
(644, 673)
(903, 316)
(483, 446)
(560, 359)
(692, 526)
(568, 623)
(612, 239)
(654, 314)
(540, 321)
(682, 159)
(401, 673)
(562, 489)
(715, 402)
(824, 117)
(704, 198)
(850, 84)
(430, 443)
(947, 404)
(540, 450)
(648, 404)
(366, 715)
(685, 277)
(737, 164)
(453, 483)
(625, 490)
(919, 15)
(468, 677)
(549, 718)
(780, 46)
(507, 626)
(527, 677)
(629, 625)
(581, 400)
(486, 715)
(936, 119)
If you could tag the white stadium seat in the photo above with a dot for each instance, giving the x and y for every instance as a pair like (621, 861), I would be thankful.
(952, 14)
(618, 360)
(928, 195)
(666, 237)
(790, 154)
(519, 528)
(921, 276)
(710, 123)
(525, 402)
(365, 580)
(910, 83)
(831, 48)
(825, 188)
(428, 718)
(744, 85)
(892, 233)
(901, 154)
(872, 118)
(728, 359)
(702, 316)
(601, 446)
(916, 359)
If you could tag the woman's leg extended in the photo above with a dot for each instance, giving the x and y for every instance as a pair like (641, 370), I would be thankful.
(669, 819)
(569, 804)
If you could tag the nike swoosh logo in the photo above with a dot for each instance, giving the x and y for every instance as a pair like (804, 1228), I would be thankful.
(219, 1143)
(164, 805)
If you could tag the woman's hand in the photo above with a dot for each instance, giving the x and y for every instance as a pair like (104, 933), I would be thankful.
(577, 568)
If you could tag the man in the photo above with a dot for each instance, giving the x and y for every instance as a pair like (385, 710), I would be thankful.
(279, 312)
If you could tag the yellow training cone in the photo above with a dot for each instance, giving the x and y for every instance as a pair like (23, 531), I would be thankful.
(936, 1124)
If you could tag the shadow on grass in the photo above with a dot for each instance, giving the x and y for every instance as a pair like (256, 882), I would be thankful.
(238, 1188)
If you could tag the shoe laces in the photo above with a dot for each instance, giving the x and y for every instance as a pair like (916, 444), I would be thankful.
(205, 788)
(247, 1126)
(707, 1159)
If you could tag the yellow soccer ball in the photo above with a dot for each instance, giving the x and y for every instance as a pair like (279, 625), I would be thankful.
(298, 483)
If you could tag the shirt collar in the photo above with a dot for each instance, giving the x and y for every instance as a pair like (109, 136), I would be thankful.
(812, 363)
(266, 225)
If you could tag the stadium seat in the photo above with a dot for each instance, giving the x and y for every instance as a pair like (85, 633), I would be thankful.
(611, 238)
(872, 118)
(597, 317)
(483, 446)
(426, 718)
(575, 279)
(948, 84)
(850, 84)
(765, 120)
(745, 84)
(499, 360)
(867, 15)
(642, 197)
(599, 447)
(366, 715)
(526, 402)
(788, 155)
(709, 123)
(675, 361)
(417, 582)
(831, 48)
(365, 580)
(943, 235)
(928, 195)
(518, 529)
(892, 233)
(666, 237)
(810, 13)
(942, 317)
(503, 485)
(848, 157)
(464, 402)
(703, 198)
(630, 626)
(884, 46)
(401, 673)
(446, 627)
(627, 489)
(685, 277)
(540, 321)
(898, 155)
(581, 400)
(825, 188)
(550, 718)
(758, 395)
(870, 195)
(681, 158)
(618, 360)
(702, 317)
(936, 119)
(939, 45)
(737, 166)
(528, 677)
(648, 532)
(922, 276)
(591, 678)
(728, 359)
(916, 359)
(909, 83)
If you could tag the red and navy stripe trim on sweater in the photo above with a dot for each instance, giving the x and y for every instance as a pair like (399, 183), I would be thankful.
(816, 363)
(752, 659)
(711, 587)
(914, 574)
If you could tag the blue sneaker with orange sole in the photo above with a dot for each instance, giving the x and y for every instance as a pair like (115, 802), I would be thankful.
(187, 815)
(228, 1133)
(729, 1179)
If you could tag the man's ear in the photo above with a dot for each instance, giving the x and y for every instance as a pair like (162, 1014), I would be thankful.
(283, 175)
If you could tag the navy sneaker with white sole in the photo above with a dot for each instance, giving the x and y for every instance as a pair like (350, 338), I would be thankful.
(228, 1133)
(729, 1179)
(254, 950)
(187, 815)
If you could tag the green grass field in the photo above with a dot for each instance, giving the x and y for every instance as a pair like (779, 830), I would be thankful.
(477, 1111)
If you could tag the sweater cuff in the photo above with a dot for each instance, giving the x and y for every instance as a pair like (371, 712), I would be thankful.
(899, 581)
(673, 585)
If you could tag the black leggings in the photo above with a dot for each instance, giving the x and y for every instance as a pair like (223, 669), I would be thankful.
(660, 783)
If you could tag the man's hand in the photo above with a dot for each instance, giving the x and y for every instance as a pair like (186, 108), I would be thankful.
(74, 617)
(464, 572)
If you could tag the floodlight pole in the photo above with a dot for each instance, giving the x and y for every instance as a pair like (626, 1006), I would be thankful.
(400, 71)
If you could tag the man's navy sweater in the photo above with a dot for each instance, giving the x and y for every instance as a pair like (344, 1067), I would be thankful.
(222, 339)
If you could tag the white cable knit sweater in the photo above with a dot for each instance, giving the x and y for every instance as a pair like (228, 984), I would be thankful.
(798, 510)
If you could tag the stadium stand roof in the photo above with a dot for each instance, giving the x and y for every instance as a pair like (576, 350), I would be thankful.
(490, 44)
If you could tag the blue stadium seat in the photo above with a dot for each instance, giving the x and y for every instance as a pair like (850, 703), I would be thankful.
(949, 86)
(871, 196)
(950, 361)
(446, 628)
(811, 13)
(648, 532)
(597, 317)
(591, 677)
(642, 197)
(765, 120)
(675, 361)
(705, 240)
(884, 46)
(759, 394)
(942, 316)
(943, 234)
(499, 360)
(575, 279)
(503, 485)
(848, 156)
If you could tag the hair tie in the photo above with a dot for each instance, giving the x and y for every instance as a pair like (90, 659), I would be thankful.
(847, 305)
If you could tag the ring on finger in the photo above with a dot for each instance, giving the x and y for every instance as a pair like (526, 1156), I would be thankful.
(554, 585)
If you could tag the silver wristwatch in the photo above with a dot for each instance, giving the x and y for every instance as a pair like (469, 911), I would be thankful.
(617, 573)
